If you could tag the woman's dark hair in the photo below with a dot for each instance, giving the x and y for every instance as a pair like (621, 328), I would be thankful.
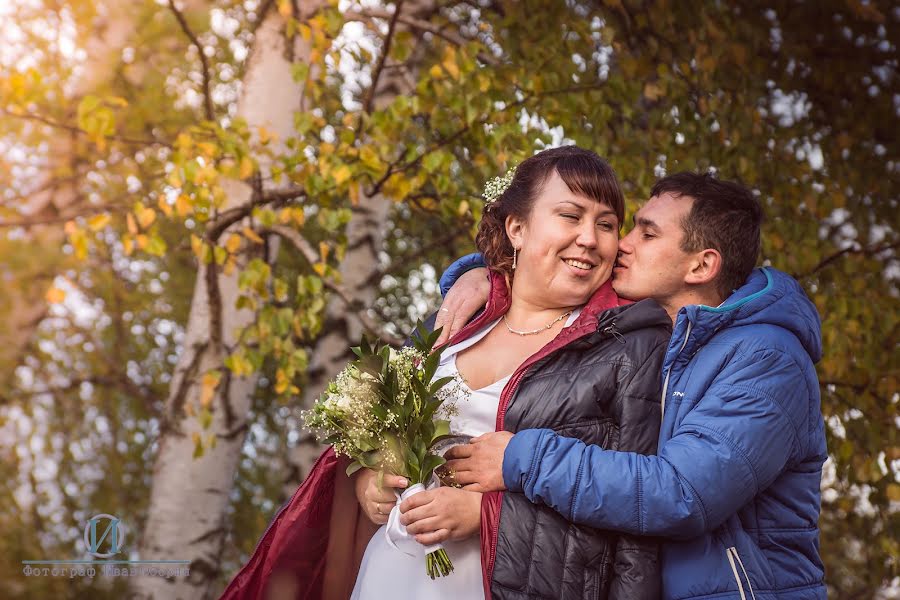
(583, 171)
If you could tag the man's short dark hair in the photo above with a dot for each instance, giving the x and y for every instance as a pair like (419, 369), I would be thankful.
(725, 216)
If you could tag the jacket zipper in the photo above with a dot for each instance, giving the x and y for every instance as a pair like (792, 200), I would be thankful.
(505, 397)
(734, 560)
(665, 388)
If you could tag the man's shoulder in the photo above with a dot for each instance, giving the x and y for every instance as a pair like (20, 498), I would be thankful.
(740, 341)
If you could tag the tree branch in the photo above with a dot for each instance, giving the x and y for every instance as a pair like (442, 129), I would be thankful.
(864, 250)
(300, 243)
(78, 130)
(204, 64)
(385, 50)
(450, 36)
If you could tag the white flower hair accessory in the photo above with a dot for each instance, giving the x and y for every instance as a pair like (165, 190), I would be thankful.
(495, 187)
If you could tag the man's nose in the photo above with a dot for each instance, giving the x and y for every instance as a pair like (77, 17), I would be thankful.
(625, 246)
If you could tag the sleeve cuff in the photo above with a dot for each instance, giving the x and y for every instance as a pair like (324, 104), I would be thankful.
(520, 458)
(458, 268)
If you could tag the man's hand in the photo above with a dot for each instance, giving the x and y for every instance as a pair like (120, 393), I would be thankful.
(377, 501)
(441, 514)
(478, 465)
(468, 294)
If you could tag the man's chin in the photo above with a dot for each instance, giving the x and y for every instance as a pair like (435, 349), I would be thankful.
(623, 292)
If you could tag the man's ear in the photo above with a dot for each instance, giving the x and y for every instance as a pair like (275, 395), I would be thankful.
(705, 266)
(515, 231)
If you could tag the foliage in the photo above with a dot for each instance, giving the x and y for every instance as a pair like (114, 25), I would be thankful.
(795, 99)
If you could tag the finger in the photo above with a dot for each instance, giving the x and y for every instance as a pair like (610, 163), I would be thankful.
(435, 537)
(460, 451)
(475, 487)
(465, 478)
(420, 499)
(394, 481)
(446, 317)
(428, 525)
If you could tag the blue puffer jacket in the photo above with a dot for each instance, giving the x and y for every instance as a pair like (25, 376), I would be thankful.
(735, 487)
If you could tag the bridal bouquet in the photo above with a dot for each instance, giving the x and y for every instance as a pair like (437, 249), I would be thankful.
(385, 413)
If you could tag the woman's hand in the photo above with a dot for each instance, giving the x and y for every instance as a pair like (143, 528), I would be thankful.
(377, 501)
(441, 514)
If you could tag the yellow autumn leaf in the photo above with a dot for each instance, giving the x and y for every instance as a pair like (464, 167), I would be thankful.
(341, 174)
(197, 246)
(131, 223)
(436, 72)
(284, 216)
(146, 217)
(247, 167)
(127, 244)
(98, 222)
(183, 205)
(298, 215)
(141, 241)
(463, 208)
(449, 62)
(251, 235)
(323, 251)
(652, 92)
(281, 381)
(319, 268)
(164, 206)
(208, 387)
(354, 195)
(55, 295)
(266, 136)
(230, 266)
(233, 243)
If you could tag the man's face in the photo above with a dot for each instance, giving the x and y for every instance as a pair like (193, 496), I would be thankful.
(651, 263)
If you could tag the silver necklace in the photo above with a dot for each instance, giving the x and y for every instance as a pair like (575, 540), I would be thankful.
(539, 329)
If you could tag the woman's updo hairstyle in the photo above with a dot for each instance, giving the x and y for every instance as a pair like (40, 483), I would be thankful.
(583, 171)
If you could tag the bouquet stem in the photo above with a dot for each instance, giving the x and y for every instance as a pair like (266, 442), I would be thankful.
(437, 564)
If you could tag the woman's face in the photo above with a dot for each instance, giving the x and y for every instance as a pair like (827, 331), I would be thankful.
(567, 246)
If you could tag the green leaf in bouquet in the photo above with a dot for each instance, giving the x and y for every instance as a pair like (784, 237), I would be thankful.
(438, 384)
(385, 353)
(431, 462)
(371, 459)
(430, 366)
(379, 411)
(353, 468)
(331, 439)
(441, 431)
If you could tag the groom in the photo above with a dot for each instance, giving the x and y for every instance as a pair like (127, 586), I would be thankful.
(734, 489)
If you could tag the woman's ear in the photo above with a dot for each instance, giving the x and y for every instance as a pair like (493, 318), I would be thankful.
(515, 231)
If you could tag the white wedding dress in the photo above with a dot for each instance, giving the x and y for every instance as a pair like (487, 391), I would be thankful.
(387, 572)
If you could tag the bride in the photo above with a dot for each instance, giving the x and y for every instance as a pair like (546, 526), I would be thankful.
(554, 347)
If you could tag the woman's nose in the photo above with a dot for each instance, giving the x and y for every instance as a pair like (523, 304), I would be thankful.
(587, 237)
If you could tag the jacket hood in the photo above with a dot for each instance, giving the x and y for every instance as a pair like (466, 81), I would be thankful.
(768, 297)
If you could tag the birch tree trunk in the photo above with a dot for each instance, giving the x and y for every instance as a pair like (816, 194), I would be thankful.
(189, 497)
(360, 270)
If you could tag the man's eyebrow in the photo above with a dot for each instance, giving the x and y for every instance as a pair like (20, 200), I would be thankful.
(645, 222)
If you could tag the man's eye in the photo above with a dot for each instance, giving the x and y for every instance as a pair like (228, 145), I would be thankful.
(569, 216)
(648, 236)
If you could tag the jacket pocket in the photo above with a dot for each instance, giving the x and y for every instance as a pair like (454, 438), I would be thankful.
(737, 568)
